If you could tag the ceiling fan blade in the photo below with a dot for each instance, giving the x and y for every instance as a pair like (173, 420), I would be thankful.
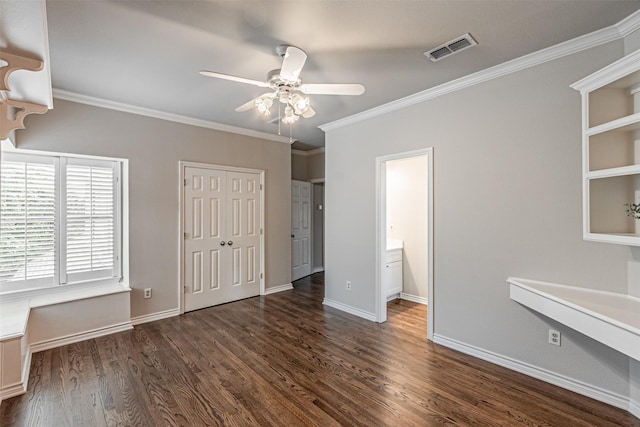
(292, 63)
(332, 89)
(249, 105)
(309, 112)
(234, 78)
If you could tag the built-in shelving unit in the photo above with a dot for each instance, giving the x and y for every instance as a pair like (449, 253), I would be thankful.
(611, 151)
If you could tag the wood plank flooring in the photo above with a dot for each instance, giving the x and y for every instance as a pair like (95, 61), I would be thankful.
(285, 360)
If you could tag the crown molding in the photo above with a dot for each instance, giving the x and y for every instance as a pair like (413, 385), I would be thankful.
(629, 24)
(133, 109)
(318, 150)
(569, 47)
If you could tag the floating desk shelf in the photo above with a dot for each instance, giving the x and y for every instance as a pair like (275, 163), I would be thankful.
(610, 318)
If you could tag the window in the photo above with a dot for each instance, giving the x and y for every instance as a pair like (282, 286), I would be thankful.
(60, 221)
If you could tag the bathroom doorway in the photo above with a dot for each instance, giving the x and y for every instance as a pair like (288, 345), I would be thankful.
(404, 236)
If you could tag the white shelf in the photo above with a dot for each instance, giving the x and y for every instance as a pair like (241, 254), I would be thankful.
(623, 124)
(630, 239)
(611, 172)
(610, 318)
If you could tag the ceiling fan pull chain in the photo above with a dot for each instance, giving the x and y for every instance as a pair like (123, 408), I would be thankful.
(279, 118)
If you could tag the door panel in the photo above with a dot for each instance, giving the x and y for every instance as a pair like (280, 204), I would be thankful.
(222, 237)
(300, 229)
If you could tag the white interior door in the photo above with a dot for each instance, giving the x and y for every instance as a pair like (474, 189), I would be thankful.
(300, 229)
(222, 236)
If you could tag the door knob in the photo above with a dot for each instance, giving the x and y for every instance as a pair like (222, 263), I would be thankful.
(222, 243)
(293, 236)
(229, 243)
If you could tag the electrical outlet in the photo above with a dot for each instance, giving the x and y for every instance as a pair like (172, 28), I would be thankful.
(348, 285)
(554, 337)
(147, 293)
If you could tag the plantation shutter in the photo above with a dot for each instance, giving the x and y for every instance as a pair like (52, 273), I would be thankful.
(90, 219)
(28, 220)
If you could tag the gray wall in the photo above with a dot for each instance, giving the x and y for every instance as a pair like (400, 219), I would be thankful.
(507, 201)
(307, 167)
(315, 166)
(154, 148)
(298, 167)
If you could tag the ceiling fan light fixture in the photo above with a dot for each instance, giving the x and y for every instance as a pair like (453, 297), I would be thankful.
(300, 104)
(289, 116)
(263, 104)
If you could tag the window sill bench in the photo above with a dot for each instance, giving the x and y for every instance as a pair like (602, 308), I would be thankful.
(31, 322)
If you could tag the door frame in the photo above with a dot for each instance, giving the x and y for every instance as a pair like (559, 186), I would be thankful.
(381, 233)
(182, 166)
(313, 210)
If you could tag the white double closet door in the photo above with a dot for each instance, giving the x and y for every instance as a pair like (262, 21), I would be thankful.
(222, 214)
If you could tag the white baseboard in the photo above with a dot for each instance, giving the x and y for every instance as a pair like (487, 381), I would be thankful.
(318, 269)
(13, 390)
(81, 336)
(18, 388)
(349, 309)
(634, 408)
(565, 382)
(414, 298)
(155, 316)
(392, 297)
(275, 289)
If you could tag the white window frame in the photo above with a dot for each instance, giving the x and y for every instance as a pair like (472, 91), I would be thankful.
(120, 274)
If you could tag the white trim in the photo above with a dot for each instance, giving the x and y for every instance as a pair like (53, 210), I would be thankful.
(578, 44)
(47, 56)
(162, 115)
(414, 298)
(349, 309)
(80, 336)
(182, 164)
(629, 24)
(545, 375)
(16, 389)
(276, 289)
(634, 408)
(612, 72)
(317, 270)
(313, 152)
(13, 390)
(146, 318)
(316, 180)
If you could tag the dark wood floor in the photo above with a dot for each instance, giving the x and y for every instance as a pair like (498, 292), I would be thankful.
(285, 360)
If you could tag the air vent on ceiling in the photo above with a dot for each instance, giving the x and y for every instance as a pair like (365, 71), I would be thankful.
(449, 48)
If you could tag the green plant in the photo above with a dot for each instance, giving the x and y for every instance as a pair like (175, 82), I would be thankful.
(633, 210)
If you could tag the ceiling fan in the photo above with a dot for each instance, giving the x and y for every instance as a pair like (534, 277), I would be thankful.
(285, 85)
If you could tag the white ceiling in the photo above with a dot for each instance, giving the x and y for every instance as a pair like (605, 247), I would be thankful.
(148, 53)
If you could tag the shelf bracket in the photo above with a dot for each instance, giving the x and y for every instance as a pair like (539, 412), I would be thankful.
(13, 113)
(16, 62)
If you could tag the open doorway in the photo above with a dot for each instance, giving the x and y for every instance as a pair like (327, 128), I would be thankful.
(404, 231)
